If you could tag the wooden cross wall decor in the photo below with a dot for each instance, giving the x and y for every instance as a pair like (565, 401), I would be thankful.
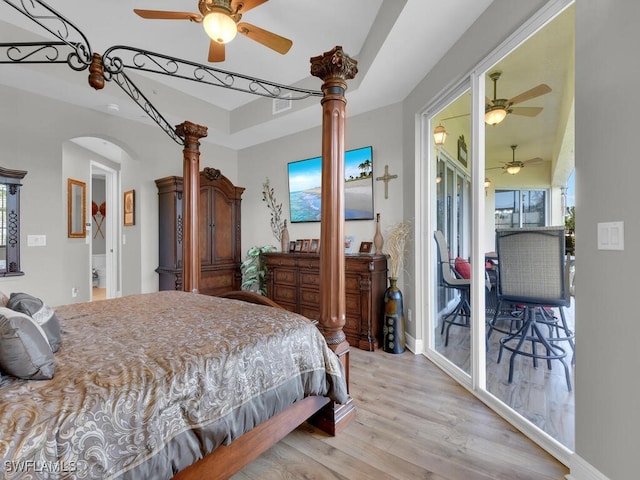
(385, 178)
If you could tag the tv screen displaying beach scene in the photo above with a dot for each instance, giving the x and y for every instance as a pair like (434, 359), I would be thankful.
(305, 183)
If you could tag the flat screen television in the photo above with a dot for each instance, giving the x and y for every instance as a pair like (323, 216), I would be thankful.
(305, 182)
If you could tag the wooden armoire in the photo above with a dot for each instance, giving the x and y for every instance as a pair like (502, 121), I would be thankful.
(219, 227)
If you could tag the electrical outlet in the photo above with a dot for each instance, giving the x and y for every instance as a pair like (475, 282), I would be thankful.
(74, 292)
(409, 315)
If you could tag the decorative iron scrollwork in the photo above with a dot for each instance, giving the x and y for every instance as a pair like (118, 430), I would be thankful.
(79, 56)
(74, 50)
(120, 57)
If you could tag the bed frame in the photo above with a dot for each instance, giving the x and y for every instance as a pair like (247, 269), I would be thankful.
(333, 68)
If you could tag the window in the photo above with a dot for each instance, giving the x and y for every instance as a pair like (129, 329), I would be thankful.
(520, 208)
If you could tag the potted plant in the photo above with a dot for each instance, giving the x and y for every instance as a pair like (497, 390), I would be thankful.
(254, 270)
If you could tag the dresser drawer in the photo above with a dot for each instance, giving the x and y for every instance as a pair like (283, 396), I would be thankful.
(352, 324)
(352, 283)
(309, 297)
(310, 279)
(284, 276)
(312, 313)
(283, 294)
(283, 261)
(352, 304)
(216, 279)
(309, 264)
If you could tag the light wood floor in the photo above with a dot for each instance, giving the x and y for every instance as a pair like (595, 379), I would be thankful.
(538, 394)
(413, 422)
(99, 293)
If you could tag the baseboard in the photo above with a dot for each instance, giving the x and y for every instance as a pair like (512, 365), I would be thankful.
(582, 470)
(413, 345)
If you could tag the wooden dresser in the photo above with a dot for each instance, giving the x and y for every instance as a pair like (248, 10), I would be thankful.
(220, 249)
(293, 281)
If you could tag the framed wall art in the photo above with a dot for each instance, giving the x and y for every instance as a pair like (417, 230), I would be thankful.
(129, 208)
(305, 183)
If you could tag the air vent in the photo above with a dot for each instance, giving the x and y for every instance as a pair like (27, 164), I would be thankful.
(282, 104)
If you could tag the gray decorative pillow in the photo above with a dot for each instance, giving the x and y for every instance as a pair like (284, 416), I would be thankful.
(41, 313)
(24, 349)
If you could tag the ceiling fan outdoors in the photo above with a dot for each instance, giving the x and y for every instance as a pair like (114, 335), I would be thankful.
(221, 21)
(515, 166)
(497, 109)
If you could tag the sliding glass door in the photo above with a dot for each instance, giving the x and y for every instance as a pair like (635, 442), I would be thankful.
(476, 187)
(452, 288)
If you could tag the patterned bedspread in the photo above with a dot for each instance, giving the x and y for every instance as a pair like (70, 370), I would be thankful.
(147, 384)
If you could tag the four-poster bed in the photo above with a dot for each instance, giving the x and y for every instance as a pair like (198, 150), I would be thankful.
(328, 410)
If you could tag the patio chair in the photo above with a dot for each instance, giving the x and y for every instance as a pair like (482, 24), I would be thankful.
(449, 278)
(532, 275)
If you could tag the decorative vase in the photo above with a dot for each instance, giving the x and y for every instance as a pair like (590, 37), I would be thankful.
(393, 326)
(284, 238)
(378, 241)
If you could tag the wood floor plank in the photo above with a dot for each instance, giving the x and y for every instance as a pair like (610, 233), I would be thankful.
(412, 422)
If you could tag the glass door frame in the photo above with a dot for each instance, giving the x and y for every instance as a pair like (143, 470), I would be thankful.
(426, 215)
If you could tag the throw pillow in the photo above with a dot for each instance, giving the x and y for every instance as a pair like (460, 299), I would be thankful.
(41, 313)
(463, 267)
(24, 349)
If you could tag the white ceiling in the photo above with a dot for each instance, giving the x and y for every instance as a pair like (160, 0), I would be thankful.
(385, 36)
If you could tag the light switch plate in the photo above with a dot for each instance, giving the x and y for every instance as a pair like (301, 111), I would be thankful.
(36, 240)
(611, 236)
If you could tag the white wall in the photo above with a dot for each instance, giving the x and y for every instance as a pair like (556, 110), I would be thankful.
(607, 173)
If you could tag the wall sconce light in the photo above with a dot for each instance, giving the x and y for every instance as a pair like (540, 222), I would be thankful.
(439, 177)
(487, 182)
(219, 25)
(439, 135)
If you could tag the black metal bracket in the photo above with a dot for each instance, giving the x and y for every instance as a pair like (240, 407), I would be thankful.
(74, 50)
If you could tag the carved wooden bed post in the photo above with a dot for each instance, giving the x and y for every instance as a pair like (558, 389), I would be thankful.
(191, 133)
(333, 68)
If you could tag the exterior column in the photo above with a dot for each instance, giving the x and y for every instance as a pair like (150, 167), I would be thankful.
(191, 133)
(333, 68)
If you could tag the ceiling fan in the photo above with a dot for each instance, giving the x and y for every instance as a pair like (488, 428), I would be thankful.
(498, 108)
(515, 166)
(221, 21)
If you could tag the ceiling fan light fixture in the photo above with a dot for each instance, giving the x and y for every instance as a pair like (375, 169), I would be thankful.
(494, 115)
(512, 169)
(219, 25)
(439, 135)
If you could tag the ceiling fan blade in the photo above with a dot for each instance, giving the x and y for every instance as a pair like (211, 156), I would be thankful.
(541, 89)
(533, 161)
(162, 15)
(526, 111)
(216, 51)
(266, 38)
(243, 6)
